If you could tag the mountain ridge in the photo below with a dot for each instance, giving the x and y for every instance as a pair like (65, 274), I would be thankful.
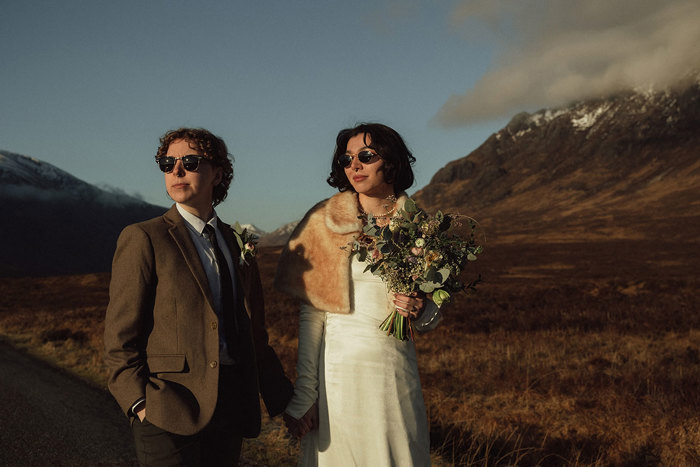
(279, 236)
(24, 176)
(59, 224)
(585, 170)
(624, 168)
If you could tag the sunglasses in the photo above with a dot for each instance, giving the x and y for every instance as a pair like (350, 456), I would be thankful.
(363, 156)
(190, 162)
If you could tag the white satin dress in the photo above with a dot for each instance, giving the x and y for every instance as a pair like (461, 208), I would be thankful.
(371, 409)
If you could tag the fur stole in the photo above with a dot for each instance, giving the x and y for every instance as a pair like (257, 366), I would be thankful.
(313, 267)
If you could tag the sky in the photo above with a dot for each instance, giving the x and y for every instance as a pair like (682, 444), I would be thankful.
(90, 86)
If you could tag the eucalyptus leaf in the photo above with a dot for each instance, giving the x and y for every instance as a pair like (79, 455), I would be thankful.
(444, 274)
(362, 254)
(428, 287)
(432, 275)
(386, 234)
(385, 248)
(239, 240)
(410, 206)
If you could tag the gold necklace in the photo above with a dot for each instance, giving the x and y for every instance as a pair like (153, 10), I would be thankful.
(389, 212)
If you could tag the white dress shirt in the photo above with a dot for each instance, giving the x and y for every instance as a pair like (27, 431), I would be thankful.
(195, 227)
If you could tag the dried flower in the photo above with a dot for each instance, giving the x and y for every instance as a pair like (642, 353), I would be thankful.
(413, 253)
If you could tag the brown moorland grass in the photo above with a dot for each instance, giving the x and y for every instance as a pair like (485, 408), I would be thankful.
(568, 354)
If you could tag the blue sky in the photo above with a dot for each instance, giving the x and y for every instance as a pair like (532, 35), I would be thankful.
(89, 86)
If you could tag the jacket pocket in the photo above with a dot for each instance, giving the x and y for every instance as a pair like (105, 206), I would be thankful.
(172, 363)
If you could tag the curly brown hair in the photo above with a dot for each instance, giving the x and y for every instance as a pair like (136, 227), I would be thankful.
(214, 150)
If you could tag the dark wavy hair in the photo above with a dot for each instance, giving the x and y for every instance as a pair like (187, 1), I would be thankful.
(388, 144)
(214, 150)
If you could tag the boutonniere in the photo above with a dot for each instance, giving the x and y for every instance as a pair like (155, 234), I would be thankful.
(246, 243)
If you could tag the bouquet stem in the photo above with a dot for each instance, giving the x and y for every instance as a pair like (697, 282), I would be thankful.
(398, 326)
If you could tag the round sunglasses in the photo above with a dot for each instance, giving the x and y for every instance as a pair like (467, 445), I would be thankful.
(364, 157)
(190, 162)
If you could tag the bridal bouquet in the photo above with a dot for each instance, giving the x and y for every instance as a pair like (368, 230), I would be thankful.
(415, 252)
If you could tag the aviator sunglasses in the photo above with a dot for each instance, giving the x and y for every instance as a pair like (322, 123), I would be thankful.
(363, 156)
(190, 162)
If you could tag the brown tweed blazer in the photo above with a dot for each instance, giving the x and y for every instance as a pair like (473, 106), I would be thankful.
(161, 337)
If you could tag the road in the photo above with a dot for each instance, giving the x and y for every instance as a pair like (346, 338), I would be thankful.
(51, 418)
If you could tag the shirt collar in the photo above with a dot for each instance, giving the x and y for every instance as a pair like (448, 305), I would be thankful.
(195, 222)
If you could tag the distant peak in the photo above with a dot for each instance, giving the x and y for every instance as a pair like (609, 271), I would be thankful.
(17, 169)
(252, 228)
(24, 177)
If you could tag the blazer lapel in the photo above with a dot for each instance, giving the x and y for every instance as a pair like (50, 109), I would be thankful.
(178, 231)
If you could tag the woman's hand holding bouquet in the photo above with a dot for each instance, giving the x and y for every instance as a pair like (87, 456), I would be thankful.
(415, 254)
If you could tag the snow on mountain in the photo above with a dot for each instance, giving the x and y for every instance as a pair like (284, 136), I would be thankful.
(57, 223)
(601, 113)
(588, 119)
(27, 177)
(286, 228)
(279, 236)
(630, 156)
(253, 229)
(16, 169)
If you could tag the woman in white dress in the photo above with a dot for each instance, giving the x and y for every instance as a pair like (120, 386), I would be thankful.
(357, 398)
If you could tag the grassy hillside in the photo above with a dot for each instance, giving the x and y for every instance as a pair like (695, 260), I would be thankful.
(590, 358)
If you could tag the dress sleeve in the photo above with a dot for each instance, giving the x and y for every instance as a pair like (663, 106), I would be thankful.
(311, 328)
(429, 319)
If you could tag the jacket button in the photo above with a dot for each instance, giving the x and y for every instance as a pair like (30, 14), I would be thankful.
(214, 325)
(212, 364)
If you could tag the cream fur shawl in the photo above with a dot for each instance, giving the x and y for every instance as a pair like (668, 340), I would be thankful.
(313, 267)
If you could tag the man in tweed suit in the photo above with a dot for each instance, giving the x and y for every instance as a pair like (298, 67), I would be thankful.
(185, 337)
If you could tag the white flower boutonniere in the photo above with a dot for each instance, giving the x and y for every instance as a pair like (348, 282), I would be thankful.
(247, 242)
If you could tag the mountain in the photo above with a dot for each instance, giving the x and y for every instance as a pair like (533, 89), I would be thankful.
(56, 223)
(253, 229)
(279, 236)
(623, 167)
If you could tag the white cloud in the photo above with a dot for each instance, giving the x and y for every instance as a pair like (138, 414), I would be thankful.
(557, 51)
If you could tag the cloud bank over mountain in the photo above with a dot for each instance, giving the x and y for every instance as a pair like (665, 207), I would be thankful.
(556, 52)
